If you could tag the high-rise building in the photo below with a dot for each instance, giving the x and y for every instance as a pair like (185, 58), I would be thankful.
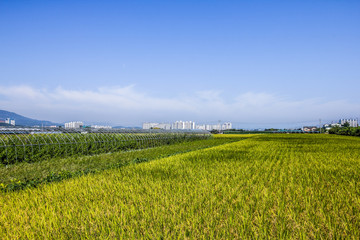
(201, 127)
(9, 121)
(178, 125)
(352, 122)
(74, 125)
(209, 127)
(226, 126)
(188, 125)
(183, 125)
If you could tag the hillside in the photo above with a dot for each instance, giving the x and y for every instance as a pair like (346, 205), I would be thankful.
(24, 121)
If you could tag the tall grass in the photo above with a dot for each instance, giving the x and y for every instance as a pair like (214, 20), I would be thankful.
(268, 186)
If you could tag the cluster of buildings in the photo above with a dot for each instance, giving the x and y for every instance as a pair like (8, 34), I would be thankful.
(71, 125)
(350, 121)
(310, 128)
(342, 122)
(8, 121)
(190, 125)
(76, 125)
(187, 125)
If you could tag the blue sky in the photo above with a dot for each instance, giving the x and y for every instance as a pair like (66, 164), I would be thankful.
(255, 63)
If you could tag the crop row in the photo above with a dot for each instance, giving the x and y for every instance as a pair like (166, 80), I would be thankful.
(35, 147)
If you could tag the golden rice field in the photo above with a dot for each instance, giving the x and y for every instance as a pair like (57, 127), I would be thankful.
(271, 186)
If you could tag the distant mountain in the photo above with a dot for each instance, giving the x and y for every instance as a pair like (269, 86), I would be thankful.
(24, 121)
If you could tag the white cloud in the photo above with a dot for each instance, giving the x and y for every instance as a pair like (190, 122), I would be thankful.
(126, 105)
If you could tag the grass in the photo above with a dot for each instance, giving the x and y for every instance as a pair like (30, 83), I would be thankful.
(267, 186)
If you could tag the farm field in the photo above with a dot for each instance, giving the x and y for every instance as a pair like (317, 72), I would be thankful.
(75, 165)
(29, 146)
(263, 186)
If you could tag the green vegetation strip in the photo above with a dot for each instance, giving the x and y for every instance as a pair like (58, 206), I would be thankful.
(15, 148)
(268, 186)
(349, 131)
(23, 175)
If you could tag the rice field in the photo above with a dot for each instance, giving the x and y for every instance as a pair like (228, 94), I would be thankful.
(282, 186)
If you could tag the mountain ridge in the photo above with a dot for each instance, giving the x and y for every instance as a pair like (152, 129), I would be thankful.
(24, 121)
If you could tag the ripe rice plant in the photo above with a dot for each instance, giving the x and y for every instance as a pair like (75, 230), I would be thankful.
(267, 186)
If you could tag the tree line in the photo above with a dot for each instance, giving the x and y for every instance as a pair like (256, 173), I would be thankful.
(345, 129)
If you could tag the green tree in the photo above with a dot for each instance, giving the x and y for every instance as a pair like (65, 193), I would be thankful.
(346, 124)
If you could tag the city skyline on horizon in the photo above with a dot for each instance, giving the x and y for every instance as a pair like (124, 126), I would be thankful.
(203, 124)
